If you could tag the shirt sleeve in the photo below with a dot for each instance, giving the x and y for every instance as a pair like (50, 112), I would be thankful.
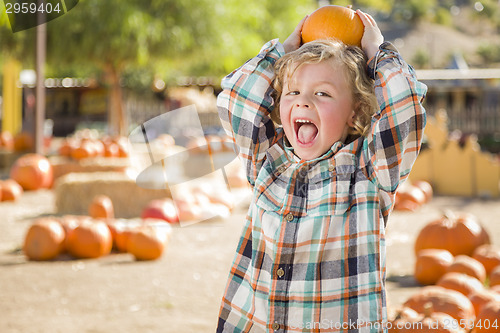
(245, 104)
(395, 138)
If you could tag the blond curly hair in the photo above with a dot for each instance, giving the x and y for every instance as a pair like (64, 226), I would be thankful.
(354, 62)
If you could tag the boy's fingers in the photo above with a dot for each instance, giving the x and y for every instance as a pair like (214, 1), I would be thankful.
(362, 16)
(367, 19)
(301, 24)
(371, 19)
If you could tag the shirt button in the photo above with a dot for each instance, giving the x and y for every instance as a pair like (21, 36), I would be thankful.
(275, 326)
(289, 217)
(281, 169)
(280, 272)
(331, 168)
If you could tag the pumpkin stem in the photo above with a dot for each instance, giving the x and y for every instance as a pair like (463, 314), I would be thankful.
(428, 309)
(449, 214)
(398, 315)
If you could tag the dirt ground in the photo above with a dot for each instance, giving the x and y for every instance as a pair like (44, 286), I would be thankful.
(179, 292)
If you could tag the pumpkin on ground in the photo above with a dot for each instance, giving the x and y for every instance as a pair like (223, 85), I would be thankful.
(6, 140)
(23, 141)
(468, 265)
(84, 150)
(11, 190)
(404, 316)
(90, 239)
(460, 234)
(121, 231)
(443, 300)
(111, 149)
(121, 238)
(460, 282)
(479, 298)
(101, 206)
(488, 320)
(432, 322)
(488, 255)
(409, 198)
(69, 223)
(44, 240)
(32, 172)
(495, 277)
(431, 264)
(332, 21)
(426, 187)
(147, 242)
(163, 209)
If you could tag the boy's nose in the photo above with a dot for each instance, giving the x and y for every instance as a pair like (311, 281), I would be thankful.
(302, 103)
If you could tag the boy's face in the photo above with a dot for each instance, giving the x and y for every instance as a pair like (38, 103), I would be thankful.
(316, 108)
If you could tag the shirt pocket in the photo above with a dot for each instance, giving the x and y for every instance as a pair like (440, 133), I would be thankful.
(271, 190)
(331, 194)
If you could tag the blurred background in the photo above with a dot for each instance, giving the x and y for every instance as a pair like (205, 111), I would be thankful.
(91, 93)
(112, 65)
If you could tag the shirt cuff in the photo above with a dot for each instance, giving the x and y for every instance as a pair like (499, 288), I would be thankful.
(384, 48)
(272, 49)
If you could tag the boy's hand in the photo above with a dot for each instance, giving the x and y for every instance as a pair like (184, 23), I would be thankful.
(372, 37)
(293, 41)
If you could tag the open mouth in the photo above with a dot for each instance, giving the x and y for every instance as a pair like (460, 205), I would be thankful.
(305, 130)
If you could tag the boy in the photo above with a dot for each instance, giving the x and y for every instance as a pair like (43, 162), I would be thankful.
(312, 254)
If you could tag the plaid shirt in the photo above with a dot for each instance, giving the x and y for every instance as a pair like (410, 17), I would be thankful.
(312, 254)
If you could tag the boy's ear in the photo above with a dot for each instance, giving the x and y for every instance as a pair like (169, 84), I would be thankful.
(351, 119)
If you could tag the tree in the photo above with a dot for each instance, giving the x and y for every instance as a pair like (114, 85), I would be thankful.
(20, 45)
(114, 35)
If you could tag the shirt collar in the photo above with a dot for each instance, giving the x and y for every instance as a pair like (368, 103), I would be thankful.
(295, 159)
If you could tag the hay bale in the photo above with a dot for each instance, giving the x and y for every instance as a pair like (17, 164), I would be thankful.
(74, 192)
(63, 165)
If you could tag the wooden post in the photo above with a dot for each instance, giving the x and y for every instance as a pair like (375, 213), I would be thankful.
(41, 41)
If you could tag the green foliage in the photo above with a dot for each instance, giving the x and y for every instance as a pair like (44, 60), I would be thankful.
(20, 45)
(173, 38)
(489, 53)
(413, 10)
(442, 16)
(196, 37)
(421, 59)
(382, 6)
(488, 9)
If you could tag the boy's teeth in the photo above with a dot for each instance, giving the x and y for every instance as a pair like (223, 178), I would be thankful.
(302, 121)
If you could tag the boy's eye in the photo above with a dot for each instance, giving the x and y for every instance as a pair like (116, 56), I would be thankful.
(322, 93)
(293, 92)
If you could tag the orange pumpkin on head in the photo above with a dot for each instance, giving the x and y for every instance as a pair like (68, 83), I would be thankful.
(332, 21)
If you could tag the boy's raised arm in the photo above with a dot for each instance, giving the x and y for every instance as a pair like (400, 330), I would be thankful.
(397, 128)
(245, 104)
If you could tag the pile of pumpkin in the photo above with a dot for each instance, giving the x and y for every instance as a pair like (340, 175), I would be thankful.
(211, 144)
(461, 273)
(98, 233)
(20, 142)
(95, 235)
(85, 146)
